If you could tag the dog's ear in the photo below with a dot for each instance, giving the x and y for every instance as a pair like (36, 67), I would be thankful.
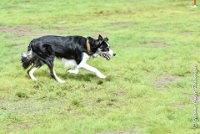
(106, 39)
(100, 39)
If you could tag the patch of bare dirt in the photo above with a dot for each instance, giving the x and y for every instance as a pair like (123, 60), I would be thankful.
(30, 32)
(117, 132)
(19, 46)
(115, 12)
(187, 33)
(22, 106)
(179, 106)
(121, 93)
(18, 31)
(155, 44)
(123, 24)
(165, 81)
(22, 126)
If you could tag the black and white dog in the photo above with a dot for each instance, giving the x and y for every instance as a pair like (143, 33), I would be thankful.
(73, 50)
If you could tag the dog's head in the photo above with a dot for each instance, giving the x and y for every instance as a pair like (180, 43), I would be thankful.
(104, 48)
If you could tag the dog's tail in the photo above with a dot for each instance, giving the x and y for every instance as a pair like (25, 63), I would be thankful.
(26, 57)
(26, 61)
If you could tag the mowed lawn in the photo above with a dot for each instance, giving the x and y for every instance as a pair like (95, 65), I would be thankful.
(148, 89)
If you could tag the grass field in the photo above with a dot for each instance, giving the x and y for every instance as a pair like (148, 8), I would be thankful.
(148, 89)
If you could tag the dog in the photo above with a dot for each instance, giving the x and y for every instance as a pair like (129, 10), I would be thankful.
(72, 50)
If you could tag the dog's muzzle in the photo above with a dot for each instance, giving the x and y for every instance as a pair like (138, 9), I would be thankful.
(107, 55)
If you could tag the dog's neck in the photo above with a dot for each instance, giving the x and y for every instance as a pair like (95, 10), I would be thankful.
(91, 45)
(88, 46)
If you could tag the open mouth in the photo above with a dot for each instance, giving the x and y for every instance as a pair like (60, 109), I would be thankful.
(106, 56)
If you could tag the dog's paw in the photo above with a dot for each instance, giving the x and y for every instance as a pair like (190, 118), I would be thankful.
(73, 71)
(102, 76)
(34, 79)
(61, 81)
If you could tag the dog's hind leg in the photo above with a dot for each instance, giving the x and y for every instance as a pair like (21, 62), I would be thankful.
(31, 71)
(53, 74)
(52, 71)
(35, 67)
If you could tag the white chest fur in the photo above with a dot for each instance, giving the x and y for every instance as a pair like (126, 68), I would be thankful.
(69, 63)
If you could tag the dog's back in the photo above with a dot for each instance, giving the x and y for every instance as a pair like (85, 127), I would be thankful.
(68, 47)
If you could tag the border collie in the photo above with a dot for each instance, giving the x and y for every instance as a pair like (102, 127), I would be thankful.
(73, 50)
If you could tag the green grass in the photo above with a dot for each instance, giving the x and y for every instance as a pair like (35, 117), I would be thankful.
(137, 95)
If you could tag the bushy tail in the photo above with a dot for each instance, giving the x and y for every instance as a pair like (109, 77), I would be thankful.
(25, 62)
(26, 58)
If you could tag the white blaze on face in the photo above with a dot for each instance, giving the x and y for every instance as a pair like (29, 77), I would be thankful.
(110, 51)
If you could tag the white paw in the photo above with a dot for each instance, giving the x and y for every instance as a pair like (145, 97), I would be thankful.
(102, 76)
(73, 71)
(34, 79)
(61, 81)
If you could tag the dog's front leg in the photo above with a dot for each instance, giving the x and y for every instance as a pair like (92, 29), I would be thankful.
(74, 71)
(87, 67)
(92, 69)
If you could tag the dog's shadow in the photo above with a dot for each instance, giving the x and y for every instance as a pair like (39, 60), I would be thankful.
(88, 77)
(79, 77)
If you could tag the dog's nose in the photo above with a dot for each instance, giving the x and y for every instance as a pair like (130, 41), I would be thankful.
(114, 54)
